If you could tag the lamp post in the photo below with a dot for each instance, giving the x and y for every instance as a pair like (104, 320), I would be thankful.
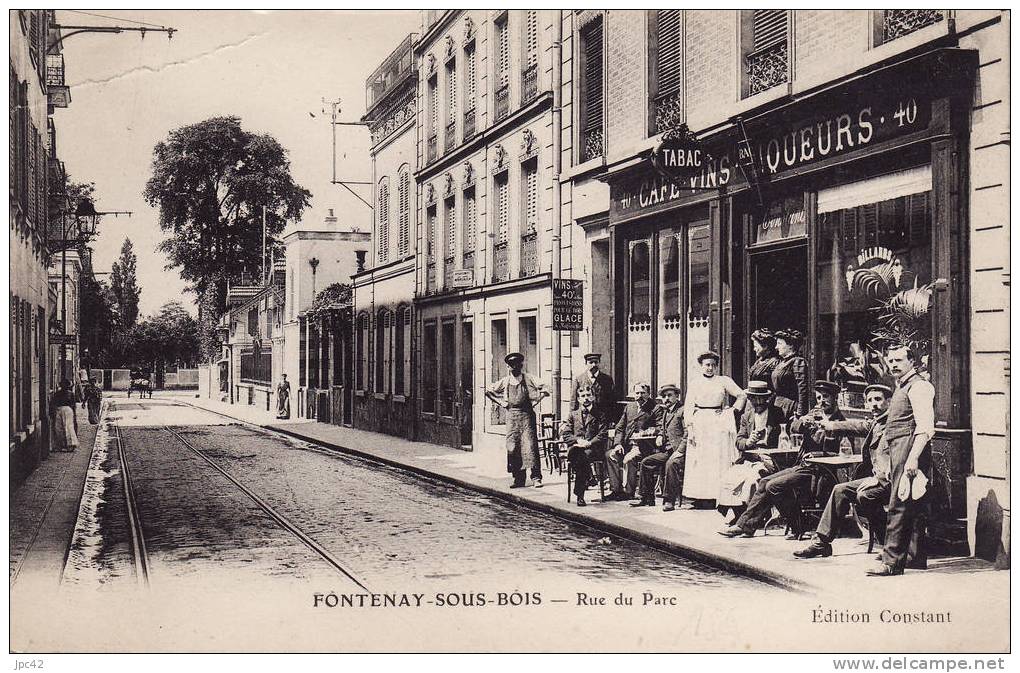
(85, 219)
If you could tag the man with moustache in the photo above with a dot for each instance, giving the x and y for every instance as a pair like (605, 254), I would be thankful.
(672, 443)
(638, 416)
(586, 433)
(599, 383)
(908, 433)
(869, 490)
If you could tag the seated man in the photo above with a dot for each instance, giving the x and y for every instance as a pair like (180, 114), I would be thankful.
(869, 490)
(586, 433)
(760, 425)
(780, 489)
(672, 444)
(639, 416)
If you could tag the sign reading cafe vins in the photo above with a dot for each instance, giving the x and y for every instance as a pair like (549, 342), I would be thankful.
(683, 165)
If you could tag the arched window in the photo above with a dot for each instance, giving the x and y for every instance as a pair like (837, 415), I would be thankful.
(383, 221)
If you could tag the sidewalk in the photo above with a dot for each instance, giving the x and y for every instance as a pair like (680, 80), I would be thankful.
(689, 533)
(43, 511)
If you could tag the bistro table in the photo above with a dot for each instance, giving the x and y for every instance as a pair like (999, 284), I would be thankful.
(783, 458)
(834, 465)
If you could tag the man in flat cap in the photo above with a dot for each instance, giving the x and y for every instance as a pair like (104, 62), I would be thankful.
(519, 394)
(780, 489)
(671, 442)
(868, 491)
(601, 386)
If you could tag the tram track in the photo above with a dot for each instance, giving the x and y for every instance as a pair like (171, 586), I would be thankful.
(139, 552)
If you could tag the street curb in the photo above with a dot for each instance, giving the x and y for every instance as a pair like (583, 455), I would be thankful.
(693, 553)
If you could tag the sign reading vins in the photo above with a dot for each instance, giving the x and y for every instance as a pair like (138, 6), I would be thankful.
(567, 305)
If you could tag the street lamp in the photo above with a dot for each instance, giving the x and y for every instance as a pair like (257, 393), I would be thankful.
(84, 220)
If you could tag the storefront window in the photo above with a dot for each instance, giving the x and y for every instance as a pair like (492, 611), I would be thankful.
(429, 368)
(874, 275)
(699, 239)
(640, 285)
(497, 368)
(670, 255)
(448, 371)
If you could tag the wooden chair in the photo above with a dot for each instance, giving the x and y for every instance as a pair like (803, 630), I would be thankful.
(598, 472)
(548, 438)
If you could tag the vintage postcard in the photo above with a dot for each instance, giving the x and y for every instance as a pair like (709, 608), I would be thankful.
(510, 330)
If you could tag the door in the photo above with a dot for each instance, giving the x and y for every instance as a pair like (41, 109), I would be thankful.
(467, 383)
(698, 294)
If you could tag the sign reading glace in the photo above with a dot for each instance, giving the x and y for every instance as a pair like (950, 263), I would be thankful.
(568, 305)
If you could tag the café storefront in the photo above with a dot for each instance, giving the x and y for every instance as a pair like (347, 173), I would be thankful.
(848, 226)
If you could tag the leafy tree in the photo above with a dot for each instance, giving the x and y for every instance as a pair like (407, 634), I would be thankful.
(124, 285)
(210, 181)
(169, 337)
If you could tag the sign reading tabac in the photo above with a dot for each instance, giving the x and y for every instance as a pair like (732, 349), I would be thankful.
(567, 305)
(679, 155)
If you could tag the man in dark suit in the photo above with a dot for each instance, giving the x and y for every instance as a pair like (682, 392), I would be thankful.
(601, 386)
(671, 441)
(780, 489)
(586, 433)
(869, 490)
(638, 417)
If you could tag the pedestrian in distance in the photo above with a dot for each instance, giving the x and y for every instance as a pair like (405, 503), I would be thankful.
(93, 400)
(65, 418)
(519, 393)
(283, 398)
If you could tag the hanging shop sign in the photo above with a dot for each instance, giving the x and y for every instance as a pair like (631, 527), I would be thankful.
(568, 305)
(679, 155)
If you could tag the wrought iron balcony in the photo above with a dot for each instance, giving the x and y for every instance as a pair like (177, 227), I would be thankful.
(468, 259)
(469, 124)
(529, 84)
(448, 270)
(430, 278)
(500, 262)
(767, 68)
(592, 144)
(529, 254)
(450, 140)
(502, 102)
(899, 22)
(433, 148)
(669, 111)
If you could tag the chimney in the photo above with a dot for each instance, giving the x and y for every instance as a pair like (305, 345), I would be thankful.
(360, 254)
(330, 220)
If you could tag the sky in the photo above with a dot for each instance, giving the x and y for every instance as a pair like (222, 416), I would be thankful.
(270, 68)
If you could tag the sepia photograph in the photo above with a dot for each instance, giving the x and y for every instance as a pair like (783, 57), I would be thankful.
(510, 331)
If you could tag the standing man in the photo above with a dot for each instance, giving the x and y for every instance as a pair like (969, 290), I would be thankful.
(869, 490)
(586, 433)
(639, 416)
(672, 444)
(600, 384)
(519, 394)
(908, 433)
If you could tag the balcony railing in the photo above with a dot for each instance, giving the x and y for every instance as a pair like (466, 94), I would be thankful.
(669, 111)
(448, 270)
(529, 84)
(500, 262)
(450, 141)
(502, 102)
(899, 22)
(592, 144)
(468, 259)
(430, 277)
(469, 124)
(529, 254)
(767, 68)
(433, 148)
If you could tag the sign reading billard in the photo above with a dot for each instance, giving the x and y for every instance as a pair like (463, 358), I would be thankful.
(568, 305)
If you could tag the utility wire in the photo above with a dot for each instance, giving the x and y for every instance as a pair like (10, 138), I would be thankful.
(114, 18)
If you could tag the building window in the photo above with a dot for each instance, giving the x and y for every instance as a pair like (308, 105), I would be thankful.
(527, 331)
(873, 269)
(529, 218)
(404, 215)
(433, 119)
(449, 239)
(430, 367)
(765, 49)
(313, 355)
(450, 139)
(383, 345)
(591, 92)
(529, 73)
(699, 258)
(670, 247)
(470, 85)
(640, 285)
(502, 57)
(497, 366)
(668, 74)
(448, 371)
(430, 248)
(470, 223)
(383, 208)
(891, 24)
(402, 353)
(501, 252)
(361, 353)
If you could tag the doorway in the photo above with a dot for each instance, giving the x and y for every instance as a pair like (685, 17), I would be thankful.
(778, 289)
(467, 383)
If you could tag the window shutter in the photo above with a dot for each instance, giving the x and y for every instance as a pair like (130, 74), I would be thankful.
(769, 27)
(503, 210)
(451, 227)
(407, 352)
(593, 68)
(530, 198)
(384, 220)
(431, 233)
(403, 188)
(669, 55)
(451, 81)
(470, 214)
(531, 39)
(469, 77)
(502, 54)
(433, 106)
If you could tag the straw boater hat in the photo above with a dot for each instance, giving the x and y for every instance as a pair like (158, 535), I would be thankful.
(824, 386)
(708, 355)
(758, 389)
(513, 357)
(886, 390)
